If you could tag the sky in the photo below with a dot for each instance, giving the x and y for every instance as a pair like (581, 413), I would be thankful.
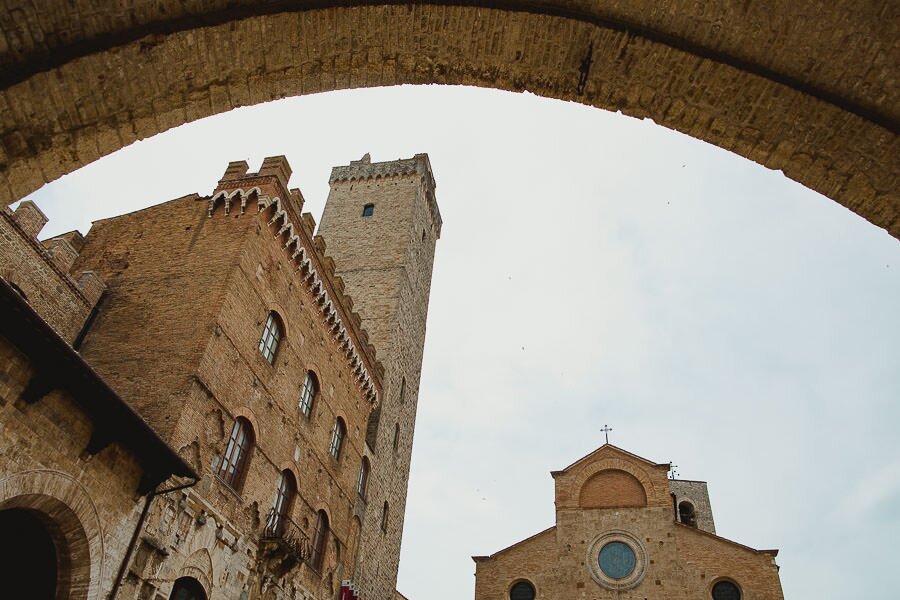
(598, 269)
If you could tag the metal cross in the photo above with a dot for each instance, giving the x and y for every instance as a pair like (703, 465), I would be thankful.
(606, 429)
(674, 473)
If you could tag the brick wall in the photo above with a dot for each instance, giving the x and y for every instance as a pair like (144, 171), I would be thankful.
(191, 284)
(42, 271)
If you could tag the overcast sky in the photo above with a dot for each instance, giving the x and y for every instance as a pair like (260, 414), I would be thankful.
(598, 269)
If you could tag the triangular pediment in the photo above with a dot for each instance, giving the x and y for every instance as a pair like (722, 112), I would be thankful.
(608, 451)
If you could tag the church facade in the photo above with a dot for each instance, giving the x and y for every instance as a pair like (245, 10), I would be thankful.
(625, 530)
(254, 443)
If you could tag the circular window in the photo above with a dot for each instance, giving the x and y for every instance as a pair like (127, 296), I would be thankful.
(521, 591)
(617, 560)
(726, 590)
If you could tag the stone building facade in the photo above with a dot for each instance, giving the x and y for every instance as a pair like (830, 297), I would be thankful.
(229, 329)
(625, 530)
(386, 260)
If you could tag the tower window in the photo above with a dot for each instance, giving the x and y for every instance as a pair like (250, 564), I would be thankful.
(384, 516)
(396, 436)
(237, 454)
(368, 210)
(687, 514)
(320, 534)
(271, 336)
(308, 393)
(726, 590)
(522, 590)
(363, 481)
(402, 390)
(337, 438)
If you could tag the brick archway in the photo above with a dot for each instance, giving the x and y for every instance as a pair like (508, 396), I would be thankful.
(72, 521)
(775, 84)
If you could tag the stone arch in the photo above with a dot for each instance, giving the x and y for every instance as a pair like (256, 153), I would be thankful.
(789, 98)
(612, 488)
(199, 565)
(617, 464)
(72, 520)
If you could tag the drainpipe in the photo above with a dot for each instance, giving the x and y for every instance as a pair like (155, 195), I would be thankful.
(137, 531)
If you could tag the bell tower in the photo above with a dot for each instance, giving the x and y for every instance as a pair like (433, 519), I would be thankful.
(381, 223)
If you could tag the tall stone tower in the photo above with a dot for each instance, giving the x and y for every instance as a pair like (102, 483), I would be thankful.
(380, 224)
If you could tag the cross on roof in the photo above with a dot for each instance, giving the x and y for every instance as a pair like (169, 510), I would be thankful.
(606, 429)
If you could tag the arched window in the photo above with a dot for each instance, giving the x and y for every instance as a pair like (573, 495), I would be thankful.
(368, 210)
(384, 516)
(320, 535)
(363, 481)
(281, 508)
(521, 590)
(271, 336)
(237, 453)
(187, 588)
(308, 393)
(396, 436)
(726, 590)
(687, 514)
(337, 438)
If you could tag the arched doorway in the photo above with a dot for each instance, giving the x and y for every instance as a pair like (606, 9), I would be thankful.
(29, 558)
(187, 588)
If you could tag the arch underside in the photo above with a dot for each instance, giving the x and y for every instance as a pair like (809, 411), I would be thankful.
(798, 88)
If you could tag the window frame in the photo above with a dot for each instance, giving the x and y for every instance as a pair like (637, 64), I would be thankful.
(285, 492)
(338, 433)
(235, 462)
(271, 338)
(308, 394)
(319, 541)
(519, 582)
(362, 482)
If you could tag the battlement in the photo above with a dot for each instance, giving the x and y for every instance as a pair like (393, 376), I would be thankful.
(267, 192)
(419, 164)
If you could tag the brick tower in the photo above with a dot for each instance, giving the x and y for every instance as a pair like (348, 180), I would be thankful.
(381, 223)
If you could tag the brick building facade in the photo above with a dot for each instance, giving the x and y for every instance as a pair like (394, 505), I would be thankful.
(225, 324)
(625, 530)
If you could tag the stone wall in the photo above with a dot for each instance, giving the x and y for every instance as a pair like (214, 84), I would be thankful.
(89, 501)
(696, 493)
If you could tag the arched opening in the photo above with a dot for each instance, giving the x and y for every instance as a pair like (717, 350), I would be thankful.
(522, 590)
(687, 514)
(612, 488)
(680, 71)
(319, 541)
(29, 558)
(187, 588)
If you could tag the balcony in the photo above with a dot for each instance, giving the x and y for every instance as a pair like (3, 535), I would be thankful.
(282, 544)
